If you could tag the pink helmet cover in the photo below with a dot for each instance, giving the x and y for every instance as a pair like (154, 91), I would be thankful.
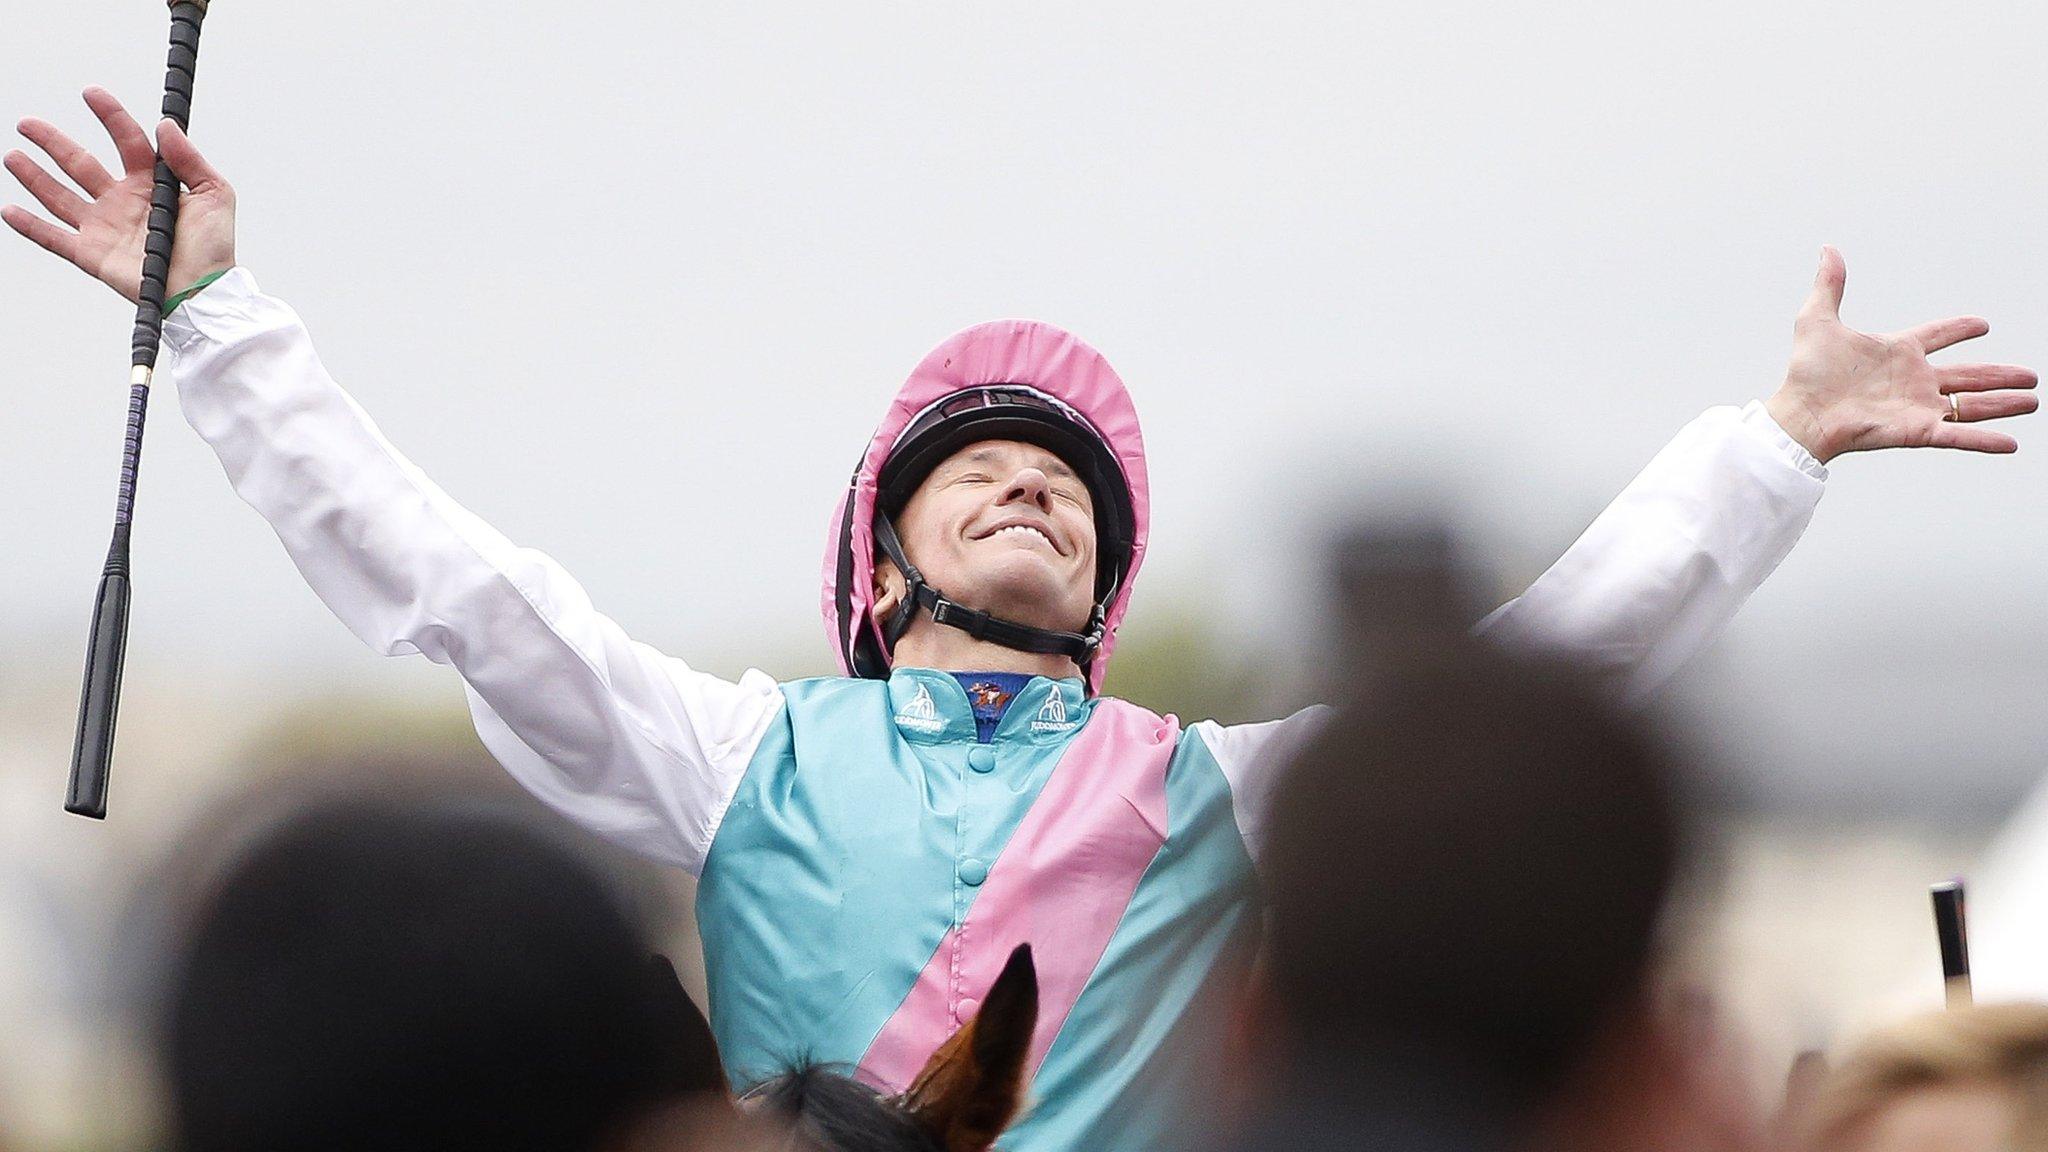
(1027, 352)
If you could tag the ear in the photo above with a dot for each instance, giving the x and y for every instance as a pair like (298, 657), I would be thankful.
(886, 591)
(973, 1086)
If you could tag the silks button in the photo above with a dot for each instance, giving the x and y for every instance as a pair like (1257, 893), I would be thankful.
(973, 872)
(982, 759)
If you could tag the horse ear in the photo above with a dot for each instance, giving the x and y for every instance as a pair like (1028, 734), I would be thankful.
(973, 1086)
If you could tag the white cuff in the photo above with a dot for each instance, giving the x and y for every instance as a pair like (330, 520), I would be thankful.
(1758, 419)
(213, 312)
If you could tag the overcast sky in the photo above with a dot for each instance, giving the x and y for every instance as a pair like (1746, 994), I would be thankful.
(634, 281)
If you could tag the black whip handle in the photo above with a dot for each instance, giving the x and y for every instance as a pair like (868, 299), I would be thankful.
(93, 755)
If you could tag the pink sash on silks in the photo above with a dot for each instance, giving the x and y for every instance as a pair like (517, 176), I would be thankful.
(1061, 885)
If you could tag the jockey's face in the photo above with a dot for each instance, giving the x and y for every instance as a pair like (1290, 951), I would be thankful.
(1005, 527)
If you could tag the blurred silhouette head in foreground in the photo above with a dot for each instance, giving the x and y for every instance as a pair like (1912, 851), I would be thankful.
(1968, 1080)
(400, 977)
(1466, 870)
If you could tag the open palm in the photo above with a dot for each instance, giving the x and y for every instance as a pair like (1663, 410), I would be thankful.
(104, 231)
(1850, 391)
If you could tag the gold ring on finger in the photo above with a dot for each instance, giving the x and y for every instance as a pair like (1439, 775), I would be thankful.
(1955, 408)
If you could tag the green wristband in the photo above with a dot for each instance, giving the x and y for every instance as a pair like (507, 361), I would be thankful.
(171, 305)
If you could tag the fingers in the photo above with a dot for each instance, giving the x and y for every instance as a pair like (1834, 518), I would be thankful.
(1970, 438)
(1983, 392)
(76, 162)
(1935, 335)
(1825, 301)
(1984, 377)
(41, 231)
(1972, 407)
(129, 140)
(50, 192)
(185, 160)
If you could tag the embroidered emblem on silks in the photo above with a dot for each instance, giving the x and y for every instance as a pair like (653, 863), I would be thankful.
(988, 697)
(1053, 717)
(921, 714)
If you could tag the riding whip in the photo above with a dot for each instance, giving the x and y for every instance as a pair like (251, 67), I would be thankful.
(92, 754)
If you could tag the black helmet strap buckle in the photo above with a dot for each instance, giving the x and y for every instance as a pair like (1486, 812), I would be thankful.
(1080, 647)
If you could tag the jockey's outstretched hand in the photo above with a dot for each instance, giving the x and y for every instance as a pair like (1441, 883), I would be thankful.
(103, 231)
(1849, 391)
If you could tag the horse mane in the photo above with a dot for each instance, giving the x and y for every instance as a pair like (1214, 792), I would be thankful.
(827, 1110)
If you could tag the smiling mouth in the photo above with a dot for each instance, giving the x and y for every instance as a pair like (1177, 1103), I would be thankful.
(1030, 530)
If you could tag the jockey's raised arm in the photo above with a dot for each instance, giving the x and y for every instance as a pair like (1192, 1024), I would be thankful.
(1662, 570)
(634, 745)
(1655, 578)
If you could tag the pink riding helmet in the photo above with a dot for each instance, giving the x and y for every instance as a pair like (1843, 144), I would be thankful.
(1027, 353)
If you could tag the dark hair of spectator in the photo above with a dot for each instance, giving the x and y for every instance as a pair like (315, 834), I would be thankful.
(400, 978)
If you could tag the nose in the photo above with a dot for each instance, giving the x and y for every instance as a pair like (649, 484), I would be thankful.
(1030, 486)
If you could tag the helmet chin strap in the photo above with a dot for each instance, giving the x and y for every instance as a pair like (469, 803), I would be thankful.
(1076, 646)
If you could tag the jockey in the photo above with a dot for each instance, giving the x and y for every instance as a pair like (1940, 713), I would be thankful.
(871, 846)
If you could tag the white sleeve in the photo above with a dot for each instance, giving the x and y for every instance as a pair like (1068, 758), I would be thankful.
(1667, 565)
(1649, 585)
(633, 745)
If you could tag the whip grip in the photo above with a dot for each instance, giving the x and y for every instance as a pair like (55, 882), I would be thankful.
(186, 17)
(93, 754)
